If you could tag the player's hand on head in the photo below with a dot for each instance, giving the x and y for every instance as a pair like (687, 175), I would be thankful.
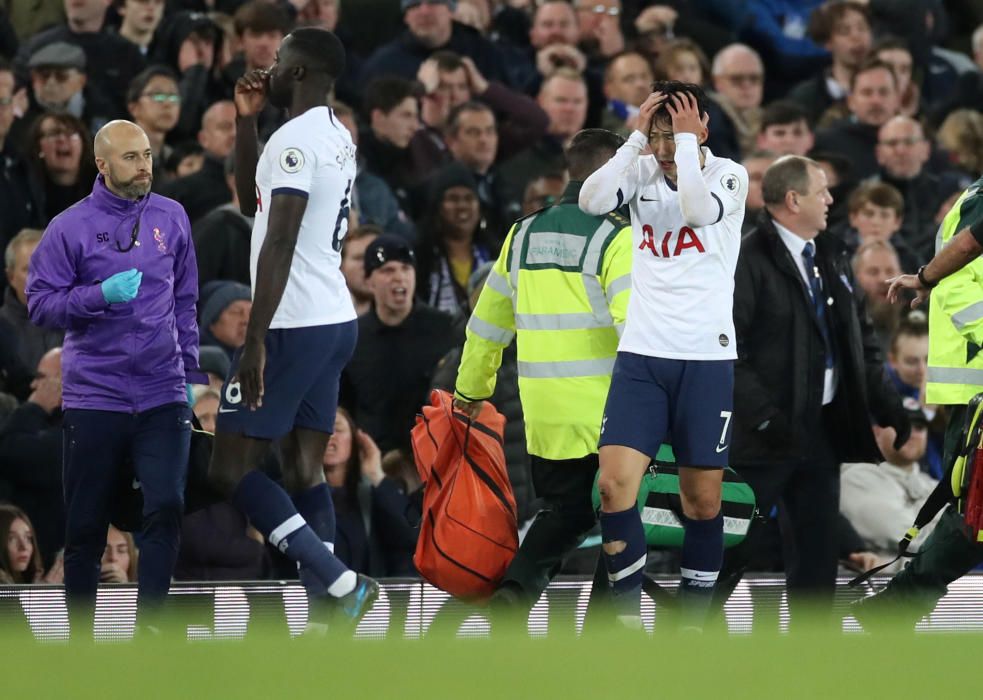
(250, 93)
(249, 374)
(647, 109)
(685, 113)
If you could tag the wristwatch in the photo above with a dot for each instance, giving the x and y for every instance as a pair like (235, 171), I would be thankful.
(921, 278)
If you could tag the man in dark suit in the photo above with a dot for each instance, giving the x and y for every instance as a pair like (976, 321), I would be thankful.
(808, 378)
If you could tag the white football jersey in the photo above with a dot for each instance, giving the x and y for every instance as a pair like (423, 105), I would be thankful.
(682, 277)
(313, 156)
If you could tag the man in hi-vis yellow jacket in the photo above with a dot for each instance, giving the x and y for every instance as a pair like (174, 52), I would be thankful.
(560, 288)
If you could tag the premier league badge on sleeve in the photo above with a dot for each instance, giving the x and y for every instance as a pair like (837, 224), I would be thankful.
(730, 183)
(291, 160)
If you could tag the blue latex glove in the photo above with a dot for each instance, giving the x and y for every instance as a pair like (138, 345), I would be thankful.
(191, 394)
(122, 287)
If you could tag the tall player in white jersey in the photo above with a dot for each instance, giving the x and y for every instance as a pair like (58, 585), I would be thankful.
(673, 378)
(283, 384)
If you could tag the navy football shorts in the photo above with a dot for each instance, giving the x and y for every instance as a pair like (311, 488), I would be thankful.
(300, 382)
(687, 403)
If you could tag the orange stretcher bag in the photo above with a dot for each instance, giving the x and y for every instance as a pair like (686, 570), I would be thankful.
(469, 532)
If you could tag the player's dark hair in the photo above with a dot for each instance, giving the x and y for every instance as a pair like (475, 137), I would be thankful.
(320, 50)
(387, 93)
(674, 87)
(143, 78)
(782, 112)
(454, 117)
(589, 149)
(787, 174)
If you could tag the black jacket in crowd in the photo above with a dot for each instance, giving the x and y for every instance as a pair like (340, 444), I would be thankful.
(201, 192)
(853, 140)
(222, 239)
(923, 195)
(30, 462)
(387, 380)
(778, 376)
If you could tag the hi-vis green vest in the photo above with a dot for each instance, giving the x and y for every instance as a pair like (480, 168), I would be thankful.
(560, 286)
(955, 319)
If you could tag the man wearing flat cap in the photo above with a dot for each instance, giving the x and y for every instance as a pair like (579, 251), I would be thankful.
(111, 61)
(59, 84)
(429, 28)
(400, 341)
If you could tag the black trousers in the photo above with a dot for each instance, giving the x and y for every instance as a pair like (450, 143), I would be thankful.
(96, 447)
(807, 494)
(568, 515)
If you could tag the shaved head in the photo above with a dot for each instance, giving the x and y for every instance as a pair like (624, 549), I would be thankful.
(124, 159)
(115, 133)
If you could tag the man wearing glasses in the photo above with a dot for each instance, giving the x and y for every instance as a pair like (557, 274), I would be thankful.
(902, 152)
(600, 28)
(117, 272)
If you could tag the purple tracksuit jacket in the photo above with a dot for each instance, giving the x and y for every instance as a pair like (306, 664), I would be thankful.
(120, 357)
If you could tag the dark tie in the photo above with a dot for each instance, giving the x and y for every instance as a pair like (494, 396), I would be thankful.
(818, 302)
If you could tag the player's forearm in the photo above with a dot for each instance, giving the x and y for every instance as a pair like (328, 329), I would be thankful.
(615, 182)
(698, 205)
(247, 155)
(962, 250)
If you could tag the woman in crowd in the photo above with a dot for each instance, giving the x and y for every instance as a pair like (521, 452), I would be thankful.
(61, 162)
(453, 243)
(119, 559)
(20, 557)
(373, 532)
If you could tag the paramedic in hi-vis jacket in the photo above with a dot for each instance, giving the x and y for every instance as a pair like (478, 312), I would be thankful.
(560, 288)
(955, 376)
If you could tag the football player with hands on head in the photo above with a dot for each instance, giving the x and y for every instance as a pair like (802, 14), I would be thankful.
(674, 373)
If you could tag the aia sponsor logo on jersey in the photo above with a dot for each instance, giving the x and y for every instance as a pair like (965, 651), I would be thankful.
(671, 243)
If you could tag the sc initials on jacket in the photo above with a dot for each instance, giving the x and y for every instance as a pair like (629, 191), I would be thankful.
(671, 243)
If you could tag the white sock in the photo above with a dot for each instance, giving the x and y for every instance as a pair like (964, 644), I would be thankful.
(344, 585)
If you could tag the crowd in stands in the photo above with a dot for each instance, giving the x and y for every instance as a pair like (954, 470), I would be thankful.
(461, 111)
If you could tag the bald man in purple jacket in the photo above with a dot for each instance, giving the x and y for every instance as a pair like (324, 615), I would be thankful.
(117, 273)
